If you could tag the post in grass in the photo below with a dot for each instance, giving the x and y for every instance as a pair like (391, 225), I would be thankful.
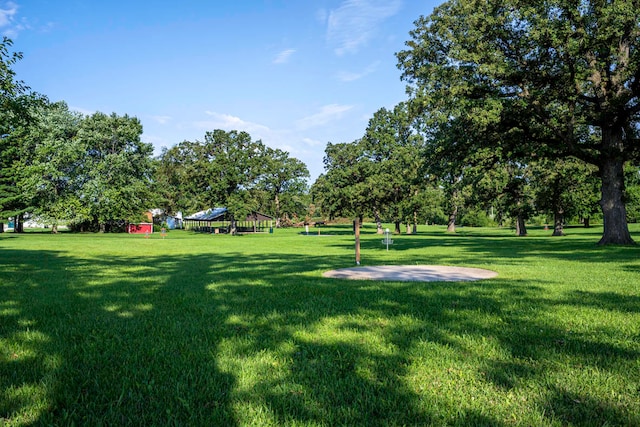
(356, 230)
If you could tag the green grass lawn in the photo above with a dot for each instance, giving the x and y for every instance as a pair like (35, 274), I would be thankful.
(220, 330)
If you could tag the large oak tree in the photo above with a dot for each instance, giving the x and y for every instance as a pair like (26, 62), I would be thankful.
(564, 75)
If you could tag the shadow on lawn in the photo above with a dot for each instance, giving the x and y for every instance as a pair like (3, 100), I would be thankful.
(218, 339)
(506, 249)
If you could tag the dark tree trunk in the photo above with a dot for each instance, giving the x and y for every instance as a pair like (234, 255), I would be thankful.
(378, 221)
(616, 230)
(521, 228)
(234, 228)
(397, 230)
(451, 227)
(18, 227)
(586, 221)
(558, 224)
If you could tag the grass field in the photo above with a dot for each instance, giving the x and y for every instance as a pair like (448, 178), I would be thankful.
(220, 330)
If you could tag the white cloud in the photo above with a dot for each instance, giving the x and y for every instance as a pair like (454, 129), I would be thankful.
(7, 12)
(354, 23)
(327, 114)
(312, 142)
(228, 122)
(82, 111)
(283, 57)
(347, 76)
(163, 120)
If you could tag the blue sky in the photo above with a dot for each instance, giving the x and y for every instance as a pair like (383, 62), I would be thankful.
(294, 73)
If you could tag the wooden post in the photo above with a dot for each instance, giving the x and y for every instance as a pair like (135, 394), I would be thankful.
(357, 232)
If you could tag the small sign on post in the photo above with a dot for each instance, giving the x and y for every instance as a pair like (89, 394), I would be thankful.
(387, 239)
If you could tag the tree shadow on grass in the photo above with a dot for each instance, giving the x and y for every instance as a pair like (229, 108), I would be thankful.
(230, 338)
(506, 250)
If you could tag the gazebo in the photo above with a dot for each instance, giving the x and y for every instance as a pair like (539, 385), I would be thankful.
(218, 220)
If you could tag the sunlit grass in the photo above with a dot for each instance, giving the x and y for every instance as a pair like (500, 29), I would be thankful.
(220, 330)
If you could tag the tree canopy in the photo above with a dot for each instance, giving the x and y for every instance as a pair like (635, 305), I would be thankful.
(558, 78)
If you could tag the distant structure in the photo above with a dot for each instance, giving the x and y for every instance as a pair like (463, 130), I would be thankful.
(218, 221)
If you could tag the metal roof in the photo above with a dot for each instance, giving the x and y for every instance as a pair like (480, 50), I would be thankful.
(208, 215)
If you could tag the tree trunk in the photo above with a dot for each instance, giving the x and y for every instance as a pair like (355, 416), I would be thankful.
(408, 228)
(558, 224)
(616, 230)
(586, 222)
(415, 221)
(18, 227)
(54, 229)
(234, 229)
(376, 213)
(521, 228)
(397, 230)
(451, 227)
(277, 203)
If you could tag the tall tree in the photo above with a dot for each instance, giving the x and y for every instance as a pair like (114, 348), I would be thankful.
(177, 179)
(392, 159)
(564, 187)
(16, 104)
(233, 164)
(565, 73)
(284, 179)
(116, 172)
(51, 177)
(342, 189)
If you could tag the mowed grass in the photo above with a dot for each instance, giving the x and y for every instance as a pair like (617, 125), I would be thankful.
(219, 330)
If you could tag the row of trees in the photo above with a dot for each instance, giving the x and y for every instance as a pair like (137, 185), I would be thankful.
(524, 103)
(94, 173)
(230, 169)
(393, 173)
(548, 80)
(516, 107)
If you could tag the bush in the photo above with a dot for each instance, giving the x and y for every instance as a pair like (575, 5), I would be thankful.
(476, 218)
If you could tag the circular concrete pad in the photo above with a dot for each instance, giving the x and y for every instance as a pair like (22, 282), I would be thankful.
(413, 273)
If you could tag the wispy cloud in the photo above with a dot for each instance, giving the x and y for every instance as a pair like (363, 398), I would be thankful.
(354, 23)
(82, 111)
(228, 122)
(163, 120)
(326, 114)
(283, 57)
(8, 11)
(347, 76)
(312, 142)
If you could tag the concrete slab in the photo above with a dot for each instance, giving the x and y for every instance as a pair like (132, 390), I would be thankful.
(414, 273)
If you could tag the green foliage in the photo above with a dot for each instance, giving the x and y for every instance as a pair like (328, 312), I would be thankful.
(210, 330)
(378, 175)
(15, 104)
(229, 169)
(632, 181)
(541, 80)
(476, 218)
